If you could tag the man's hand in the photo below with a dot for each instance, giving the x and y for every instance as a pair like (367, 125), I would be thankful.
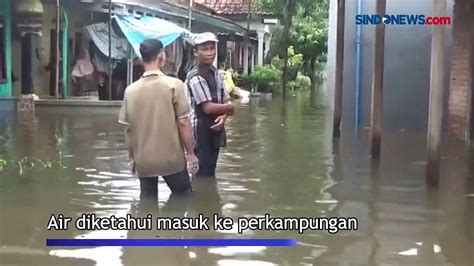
(219, 123)
(193, 163)
(231, 109)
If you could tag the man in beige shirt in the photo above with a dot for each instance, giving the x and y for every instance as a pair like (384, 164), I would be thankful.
(156, 112)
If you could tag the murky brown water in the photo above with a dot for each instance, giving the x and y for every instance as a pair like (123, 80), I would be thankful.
(280, 160)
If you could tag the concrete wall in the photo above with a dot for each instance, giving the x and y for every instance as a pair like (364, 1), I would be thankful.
(407, 65)
(77, 18)
(461, 80)
(328, 87)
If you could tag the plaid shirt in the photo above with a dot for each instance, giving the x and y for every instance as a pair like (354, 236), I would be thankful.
(198, 92)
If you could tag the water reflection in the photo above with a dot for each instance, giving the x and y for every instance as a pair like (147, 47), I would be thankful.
(280, 160)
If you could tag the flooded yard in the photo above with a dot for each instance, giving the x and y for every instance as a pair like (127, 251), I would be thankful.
(280, 160)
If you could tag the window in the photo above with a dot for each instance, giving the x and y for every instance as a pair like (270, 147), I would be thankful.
(3, 65)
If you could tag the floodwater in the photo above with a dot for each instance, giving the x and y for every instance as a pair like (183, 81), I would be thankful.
(280, 160)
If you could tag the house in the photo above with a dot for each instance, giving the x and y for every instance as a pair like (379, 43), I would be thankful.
(39, 71)
(260, 27)
(406, 68)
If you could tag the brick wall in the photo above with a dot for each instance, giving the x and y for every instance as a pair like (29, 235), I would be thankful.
(461, 69)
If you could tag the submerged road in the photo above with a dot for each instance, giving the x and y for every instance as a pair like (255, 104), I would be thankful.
(280, 161)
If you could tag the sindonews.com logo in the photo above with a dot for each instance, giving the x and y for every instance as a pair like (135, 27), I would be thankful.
(401, 20)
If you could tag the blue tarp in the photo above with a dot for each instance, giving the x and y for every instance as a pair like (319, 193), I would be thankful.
(138, 30)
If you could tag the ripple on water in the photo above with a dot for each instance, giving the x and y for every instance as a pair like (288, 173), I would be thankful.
(229, 262)
(290, 171)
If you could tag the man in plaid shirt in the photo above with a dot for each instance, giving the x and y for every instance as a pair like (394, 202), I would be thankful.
(210, 104)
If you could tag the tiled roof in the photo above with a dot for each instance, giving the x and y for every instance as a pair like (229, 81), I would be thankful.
(231, 7)
(211, 22)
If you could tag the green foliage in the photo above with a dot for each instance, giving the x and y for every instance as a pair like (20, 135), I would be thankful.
(277, 7)
(265, 78)
(301, 82)
(238, 79)
(295, 60)
(26, 163)
(308, 34)
(3, 163)
(242, 81)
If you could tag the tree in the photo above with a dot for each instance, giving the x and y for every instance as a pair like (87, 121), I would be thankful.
(285, 10)
(309, 37)
(305, 28)
(288, 19)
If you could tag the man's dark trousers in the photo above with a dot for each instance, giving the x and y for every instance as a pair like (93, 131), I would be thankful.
(178, 183)
(207, 149)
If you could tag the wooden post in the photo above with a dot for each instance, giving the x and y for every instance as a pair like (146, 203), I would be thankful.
(130, 66)
(247, 39)
(341, 13)
(435, 114)
(377, 84)
(190, 14)
(109, 83)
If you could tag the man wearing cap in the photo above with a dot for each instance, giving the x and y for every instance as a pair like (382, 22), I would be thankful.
(210, 104)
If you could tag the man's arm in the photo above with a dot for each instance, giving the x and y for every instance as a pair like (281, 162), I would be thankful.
(182, 110)
(127, 143)
(129, 149)
(124, 120)
(202, 95)
(186, 134)
(185, 129)
(217, 108)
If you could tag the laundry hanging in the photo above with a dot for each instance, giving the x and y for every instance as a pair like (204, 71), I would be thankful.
(99, 34)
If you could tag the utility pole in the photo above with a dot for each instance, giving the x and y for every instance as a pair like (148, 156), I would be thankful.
(109, 83)
(247, 39)
(435, 113)
(377, 84)
(190, 14)
(339, 82)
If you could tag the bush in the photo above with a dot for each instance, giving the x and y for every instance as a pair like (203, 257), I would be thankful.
(303, 82)
(265, 78)
(295, 60)
(241, 81)
(237, 77)
(300, 83)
